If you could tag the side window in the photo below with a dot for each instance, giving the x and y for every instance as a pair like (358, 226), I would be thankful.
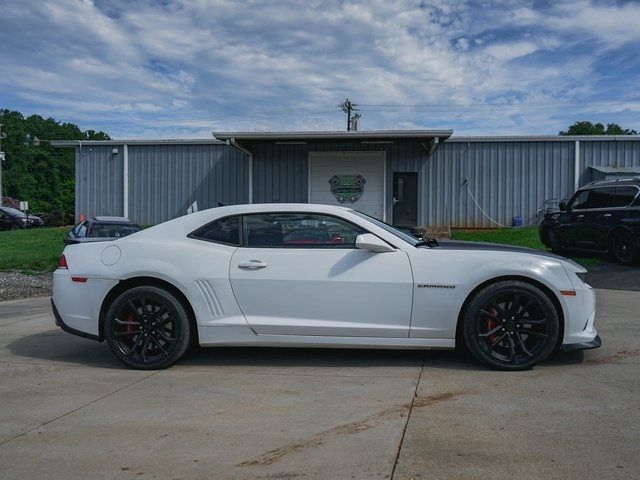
(298, 230)
(225, 230)
(623, 196)
(82, 230)
(592, 198)
(579, 200)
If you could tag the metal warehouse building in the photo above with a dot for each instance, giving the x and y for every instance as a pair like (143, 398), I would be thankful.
(424, 178)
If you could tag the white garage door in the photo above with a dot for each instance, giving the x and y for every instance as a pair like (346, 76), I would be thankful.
(348, 179)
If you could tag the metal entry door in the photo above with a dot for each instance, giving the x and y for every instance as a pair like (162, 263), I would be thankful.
(405, 199)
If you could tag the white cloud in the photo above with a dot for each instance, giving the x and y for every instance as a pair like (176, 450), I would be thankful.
(186, 67)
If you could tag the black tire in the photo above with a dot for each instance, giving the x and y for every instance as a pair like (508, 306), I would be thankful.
(510, 325)
(624, 248)
(147, 328)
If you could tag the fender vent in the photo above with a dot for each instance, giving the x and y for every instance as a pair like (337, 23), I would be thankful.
(211, 299)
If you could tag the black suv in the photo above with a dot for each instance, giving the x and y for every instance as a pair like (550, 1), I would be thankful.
(602, 216)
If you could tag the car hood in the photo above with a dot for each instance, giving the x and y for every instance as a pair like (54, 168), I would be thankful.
(494, 247)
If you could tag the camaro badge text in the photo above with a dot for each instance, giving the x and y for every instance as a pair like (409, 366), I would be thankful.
(433, 285)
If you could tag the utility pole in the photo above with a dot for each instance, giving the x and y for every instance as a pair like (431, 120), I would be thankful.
(347, 107)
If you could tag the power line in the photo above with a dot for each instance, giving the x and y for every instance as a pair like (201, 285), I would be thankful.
(497, 104)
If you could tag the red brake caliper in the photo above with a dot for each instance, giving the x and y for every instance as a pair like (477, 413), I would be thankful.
(128, 326)
(490, 324)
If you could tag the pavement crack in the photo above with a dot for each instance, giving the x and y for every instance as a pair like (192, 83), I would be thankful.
(26, 432)
(357, 426)
(406, 423)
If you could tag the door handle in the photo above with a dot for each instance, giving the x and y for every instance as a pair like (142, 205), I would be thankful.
(252, 265)
(607, 215)
(580, 216)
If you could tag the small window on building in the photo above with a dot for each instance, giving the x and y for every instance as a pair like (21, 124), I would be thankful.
(623, 196)
(592, 198)
(226, 230)
(299, 230)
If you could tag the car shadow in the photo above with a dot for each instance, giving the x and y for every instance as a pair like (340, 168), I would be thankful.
(58, 348)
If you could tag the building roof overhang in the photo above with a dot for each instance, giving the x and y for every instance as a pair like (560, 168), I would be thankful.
(371, 136)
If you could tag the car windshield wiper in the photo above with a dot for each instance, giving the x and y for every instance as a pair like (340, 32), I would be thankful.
(427, 242)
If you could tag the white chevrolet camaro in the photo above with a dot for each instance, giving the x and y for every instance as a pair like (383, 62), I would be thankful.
(318, 276)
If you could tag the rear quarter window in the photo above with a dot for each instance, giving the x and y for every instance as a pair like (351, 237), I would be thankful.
(624, 196)
(224, 230)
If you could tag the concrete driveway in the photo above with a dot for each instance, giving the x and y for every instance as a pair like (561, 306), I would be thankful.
(70, 411)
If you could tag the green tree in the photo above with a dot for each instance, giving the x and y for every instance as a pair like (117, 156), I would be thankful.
(42, 175)
(588, 128)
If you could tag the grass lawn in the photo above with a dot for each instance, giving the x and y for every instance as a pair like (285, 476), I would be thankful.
(523, 237)
(32, 249)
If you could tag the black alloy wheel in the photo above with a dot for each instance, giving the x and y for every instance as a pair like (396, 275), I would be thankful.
(624, 248)
(511, 325)
(147, 328)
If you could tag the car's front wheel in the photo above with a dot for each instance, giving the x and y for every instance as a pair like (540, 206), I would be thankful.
(147, 328)
(510, 325)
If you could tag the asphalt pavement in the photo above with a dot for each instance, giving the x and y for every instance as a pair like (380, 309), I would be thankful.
(69, 410)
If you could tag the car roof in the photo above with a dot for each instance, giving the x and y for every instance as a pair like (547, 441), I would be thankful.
(626, 181)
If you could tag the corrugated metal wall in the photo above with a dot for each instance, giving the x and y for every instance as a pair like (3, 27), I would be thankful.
(506, 178)
(619, 153)
(98, 181)
(164, 180)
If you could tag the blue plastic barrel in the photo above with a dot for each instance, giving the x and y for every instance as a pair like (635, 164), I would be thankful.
(517, 221)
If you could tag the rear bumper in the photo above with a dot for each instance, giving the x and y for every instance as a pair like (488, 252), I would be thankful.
(595, 343)
(67, 328)
(77, 303)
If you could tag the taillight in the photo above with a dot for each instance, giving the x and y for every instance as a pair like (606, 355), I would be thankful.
(62, 262)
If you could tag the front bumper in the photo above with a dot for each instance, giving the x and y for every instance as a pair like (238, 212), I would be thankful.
(595, 343)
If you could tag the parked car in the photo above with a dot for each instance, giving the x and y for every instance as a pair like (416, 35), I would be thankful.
(12, 219)
(98, 229)
(34, 221)
(601, 217)
(238, 275)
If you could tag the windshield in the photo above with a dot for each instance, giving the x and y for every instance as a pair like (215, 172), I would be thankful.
(13, 211)
(388, 228)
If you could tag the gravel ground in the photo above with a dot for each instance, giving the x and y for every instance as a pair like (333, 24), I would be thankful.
(19, 285)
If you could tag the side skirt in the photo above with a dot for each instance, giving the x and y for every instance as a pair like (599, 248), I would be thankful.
(244, 336)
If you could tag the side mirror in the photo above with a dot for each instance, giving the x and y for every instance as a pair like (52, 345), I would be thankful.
(562, 206)
(368, 241)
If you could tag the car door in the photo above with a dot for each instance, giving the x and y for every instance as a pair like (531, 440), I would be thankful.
(571, 221)
(301, 274)
(592, 232)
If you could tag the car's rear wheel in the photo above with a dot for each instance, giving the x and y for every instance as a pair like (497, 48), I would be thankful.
(624, 248)
(511, 325)
(147, 328)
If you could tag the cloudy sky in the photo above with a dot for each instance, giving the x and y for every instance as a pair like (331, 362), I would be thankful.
(182, 68)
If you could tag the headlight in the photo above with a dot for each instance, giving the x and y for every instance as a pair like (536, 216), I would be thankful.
(582, 276)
